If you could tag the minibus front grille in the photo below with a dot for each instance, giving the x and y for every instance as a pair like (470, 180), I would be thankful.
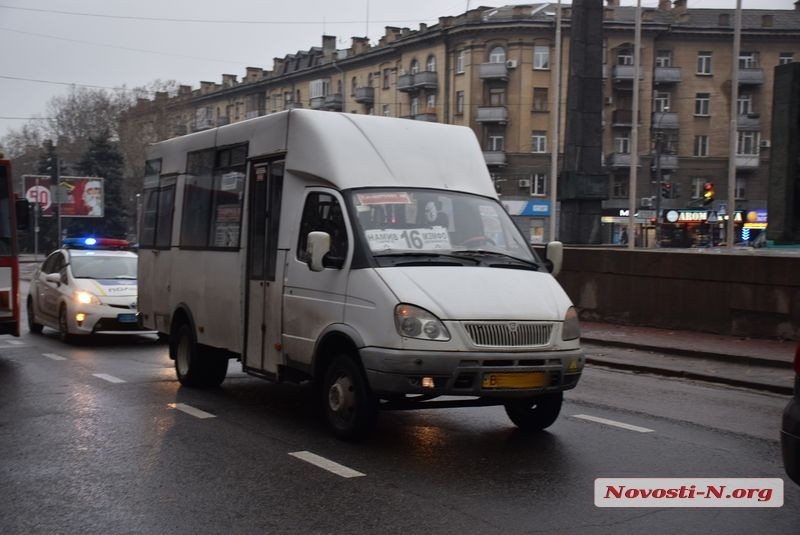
(509, 333)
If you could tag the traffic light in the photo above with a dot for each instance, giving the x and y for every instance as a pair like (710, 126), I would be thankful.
(666, 190)
(708, 193)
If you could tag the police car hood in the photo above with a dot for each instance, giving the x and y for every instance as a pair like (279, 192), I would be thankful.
(463, 293)
(108, 287)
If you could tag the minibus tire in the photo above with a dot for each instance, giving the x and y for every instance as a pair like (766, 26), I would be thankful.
(197, 367)
(536, 413)
(348, 405)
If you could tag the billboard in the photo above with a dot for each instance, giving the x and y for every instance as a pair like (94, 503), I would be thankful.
(74, 196)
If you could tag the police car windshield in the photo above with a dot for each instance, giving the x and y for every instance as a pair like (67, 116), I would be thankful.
(103, 267)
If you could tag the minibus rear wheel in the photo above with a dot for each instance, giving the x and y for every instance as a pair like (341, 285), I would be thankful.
(348, 405)
(196, 366)
(536, 413)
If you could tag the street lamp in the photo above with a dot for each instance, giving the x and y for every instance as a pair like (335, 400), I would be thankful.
(659, 135)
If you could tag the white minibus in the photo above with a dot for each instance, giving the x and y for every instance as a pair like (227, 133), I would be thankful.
(367, 256)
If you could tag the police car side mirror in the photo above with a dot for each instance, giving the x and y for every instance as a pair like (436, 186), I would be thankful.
(53, 277)
(317, 246)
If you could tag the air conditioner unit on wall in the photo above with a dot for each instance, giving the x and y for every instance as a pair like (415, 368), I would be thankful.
(511, 64)
(524, 183)
(764, 144)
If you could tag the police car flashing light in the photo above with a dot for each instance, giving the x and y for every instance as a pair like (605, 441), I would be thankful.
(95, 243)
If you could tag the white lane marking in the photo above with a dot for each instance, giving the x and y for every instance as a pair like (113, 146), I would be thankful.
(15, 342)
(613, 423)
(188, 409)
(326, 464)
(54, 356)
(109, 378)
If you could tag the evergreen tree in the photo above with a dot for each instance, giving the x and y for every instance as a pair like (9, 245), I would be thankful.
(103, 159)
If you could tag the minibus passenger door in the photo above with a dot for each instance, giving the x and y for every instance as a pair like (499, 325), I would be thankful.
(264, 267)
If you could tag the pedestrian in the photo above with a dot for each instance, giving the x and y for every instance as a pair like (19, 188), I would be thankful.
(623, 239)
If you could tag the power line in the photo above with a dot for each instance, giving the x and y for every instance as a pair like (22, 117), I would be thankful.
(19, 78)
(201, 21)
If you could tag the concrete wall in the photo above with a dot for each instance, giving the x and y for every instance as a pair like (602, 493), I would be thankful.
(749, 294)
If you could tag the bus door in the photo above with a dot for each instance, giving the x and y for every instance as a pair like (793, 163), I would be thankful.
(264, 267)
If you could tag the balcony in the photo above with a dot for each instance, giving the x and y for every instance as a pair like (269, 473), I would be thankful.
(620, 159)
(493, 71)
(417, 81)
(667, 75)
(333, 102)
(750, 122)
(492, 114)
(291, 105)
(494, 157)
(665, 120)
(625, 73)
(429, 117)
(747, 161)
(751, 76)
(364, 95)
(316, 103)
(623, 118)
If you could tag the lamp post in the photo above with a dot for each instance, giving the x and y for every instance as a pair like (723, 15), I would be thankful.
(659, 137)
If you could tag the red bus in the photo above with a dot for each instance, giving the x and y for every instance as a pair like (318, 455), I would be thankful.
(9, 252)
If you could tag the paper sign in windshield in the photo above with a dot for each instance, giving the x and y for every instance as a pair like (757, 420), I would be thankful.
(418, 239)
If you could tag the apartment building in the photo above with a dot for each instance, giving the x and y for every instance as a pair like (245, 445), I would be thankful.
(492, 69)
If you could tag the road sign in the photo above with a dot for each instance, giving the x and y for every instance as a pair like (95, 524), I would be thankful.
(41, 195)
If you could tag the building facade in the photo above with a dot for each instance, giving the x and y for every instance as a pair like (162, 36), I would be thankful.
(492, 69)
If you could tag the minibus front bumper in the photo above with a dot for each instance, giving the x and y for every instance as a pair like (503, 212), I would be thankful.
(483, 374)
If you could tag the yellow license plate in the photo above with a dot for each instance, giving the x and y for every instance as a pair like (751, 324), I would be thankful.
(515, 380)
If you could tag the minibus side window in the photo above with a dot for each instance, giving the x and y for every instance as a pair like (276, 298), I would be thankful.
(322, 212)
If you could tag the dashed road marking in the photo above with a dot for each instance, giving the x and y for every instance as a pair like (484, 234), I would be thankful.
(109, 378)
(15, 342)
(188, 409)
(54, 356)
(613, 423)
(326, 464)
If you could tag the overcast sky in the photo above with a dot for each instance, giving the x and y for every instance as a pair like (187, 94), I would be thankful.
(46, 45)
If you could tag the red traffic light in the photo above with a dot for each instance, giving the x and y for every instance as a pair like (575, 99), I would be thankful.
(708, 192)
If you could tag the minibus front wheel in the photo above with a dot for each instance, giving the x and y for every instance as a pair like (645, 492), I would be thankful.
(535, 413)
(348, 405)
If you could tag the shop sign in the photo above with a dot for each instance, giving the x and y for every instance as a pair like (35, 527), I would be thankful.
(686, 216)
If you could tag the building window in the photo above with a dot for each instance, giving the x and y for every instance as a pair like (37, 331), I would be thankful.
(541, 99)
(661, 102)
(353, 85)
(702, 104)
(430, 65)
(785, 57)
(497, 55)
(704, 63)
(460, 102)
(625, 56)
(538, 141)
(370, 79)
(741, 189)
(387, 76)
(701, 145)
(386, 112)
(414, 106)
(746, 143)
(622, 145)
(318, 88)
(431, 103)
(619, 186)
(460, 60)
(495, 140)
(414, 67)
(748, 60)
(744, 104)
(697, 184)
(497, 96)
(664, 58)
(541, 57)
(539, 184)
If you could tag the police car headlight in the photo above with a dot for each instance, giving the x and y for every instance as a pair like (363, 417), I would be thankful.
(85, 298)
(414, 322)
(571, 329)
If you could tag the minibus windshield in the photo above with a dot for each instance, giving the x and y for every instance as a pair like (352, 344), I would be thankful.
(413, 221)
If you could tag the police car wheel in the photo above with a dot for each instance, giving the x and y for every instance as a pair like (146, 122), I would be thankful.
(33, 327)
(535, 413)
(63, 326)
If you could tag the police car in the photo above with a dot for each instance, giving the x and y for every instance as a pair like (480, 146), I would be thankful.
(86, 287)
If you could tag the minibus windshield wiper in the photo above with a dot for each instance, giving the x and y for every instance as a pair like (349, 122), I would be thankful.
(517, 262)
(425, 258)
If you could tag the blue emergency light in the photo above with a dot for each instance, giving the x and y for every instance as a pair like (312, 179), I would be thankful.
(95, 243)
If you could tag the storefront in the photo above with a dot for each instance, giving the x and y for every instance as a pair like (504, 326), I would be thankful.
(707, 228)
(615, 226)
(532, 217)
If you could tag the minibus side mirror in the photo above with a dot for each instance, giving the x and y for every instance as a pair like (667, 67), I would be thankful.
(318, 245)
(554, 257)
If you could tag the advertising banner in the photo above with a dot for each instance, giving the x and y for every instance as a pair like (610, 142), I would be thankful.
(74, 196)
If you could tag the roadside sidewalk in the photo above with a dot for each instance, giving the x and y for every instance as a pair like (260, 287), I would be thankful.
(746, 362)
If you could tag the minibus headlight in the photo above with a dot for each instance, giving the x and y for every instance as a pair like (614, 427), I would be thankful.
(414, 322)
(85, 298)
(571, 329)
